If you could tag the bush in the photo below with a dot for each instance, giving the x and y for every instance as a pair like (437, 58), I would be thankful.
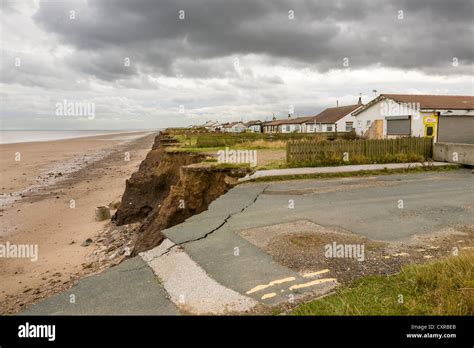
(348, 136)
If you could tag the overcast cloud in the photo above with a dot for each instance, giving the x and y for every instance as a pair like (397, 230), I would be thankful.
(224, 60)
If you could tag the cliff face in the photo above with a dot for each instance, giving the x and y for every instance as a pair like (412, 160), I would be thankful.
(196, 188)
(150, 185)
(168, 188)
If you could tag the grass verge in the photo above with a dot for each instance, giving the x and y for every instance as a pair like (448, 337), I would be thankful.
(443, 287)
(360, 173)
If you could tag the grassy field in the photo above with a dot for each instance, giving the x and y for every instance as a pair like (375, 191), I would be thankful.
(443, 287)
(217, 142)
(271, 152)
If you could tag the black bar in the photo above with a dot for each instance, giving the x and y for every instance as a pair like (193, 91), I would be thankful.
(288, 330)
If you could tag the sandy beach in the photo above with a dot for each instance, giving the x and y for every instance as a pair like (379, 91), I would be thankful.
(48, 198)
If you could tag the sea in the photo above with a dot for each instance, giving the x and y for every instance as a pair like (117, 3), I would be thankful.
(22, 136)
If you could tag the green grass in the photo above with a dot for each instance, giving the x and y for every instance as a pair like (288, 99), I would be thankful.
(196, 149)
(277, 164)
(232, 165)
(333, 159)
(444, 287)
(360, 173)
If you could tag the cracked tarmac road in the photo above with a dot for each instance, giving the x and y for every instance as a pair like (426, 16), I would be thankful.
(365, 206)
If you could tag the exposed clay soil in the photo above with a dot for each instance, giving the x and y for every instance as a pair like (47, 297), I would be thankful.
(301, 246)
(168, 188)
(151, 184)
(197, 187)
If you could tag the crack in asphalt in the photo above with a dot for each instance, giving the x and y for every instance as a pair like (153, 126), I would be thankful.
(214, 229)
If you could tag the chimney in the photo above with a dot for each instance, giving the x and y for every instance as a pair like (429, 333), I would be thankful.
(337, 103)
(289, 116)
(360, 99)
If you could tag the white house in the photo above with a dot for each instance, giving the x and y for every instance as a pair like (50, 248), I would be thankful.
(290, 125)
(338, 119)
(211, 126)
(254, 126)
(234, 127)
(271, 126)
(294, 125)
(445, 118)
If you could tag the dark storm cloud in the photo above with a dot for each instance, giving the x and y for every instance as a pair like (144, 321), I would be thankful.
(323, 33)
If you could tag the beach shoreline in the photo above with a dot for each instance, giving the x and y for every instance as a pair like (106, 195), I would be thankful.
(40, 136)
(53, 190)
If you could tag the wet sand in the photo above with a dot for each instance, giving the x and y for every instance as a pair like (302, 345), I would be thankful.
(48, 199)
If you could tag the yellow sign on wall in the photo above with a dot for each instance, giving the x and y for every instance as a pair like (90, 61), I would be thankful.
(430, 123)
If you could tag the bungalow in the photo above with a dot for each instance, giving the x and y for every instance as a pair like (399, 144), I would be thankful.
(271, 126)
(220, 127)
(211, 126)
(254, 126)
(290, 125)
(234, 127)
(442, 117)
(295, 125)
(338, 119)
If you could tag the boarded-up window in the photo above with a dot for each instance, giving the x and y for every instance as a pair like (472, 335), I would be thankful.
(398, 125)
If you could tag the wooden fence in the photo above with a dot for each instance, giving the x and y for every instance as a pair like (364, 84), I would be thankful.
(308, 150)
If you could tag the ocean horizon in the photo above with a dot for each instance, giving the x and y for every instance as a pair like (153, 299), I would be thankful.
(25, 136)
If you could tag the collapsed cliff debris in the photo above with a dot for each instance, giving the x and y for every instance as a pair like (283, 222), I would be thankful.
(150, 185)
(168, 188)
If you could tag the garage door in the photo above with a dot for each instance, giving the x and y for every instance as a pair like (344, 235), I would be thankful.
(456, 129)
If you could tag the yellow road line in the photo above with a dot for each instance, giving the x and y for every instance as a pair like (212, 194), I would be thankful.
(312, 283)
(312, 274)
(274, 282)
(269, 295)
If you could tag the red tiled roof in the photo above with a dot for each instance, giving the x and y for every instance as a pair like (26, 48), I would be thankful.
(252, 123)
(332, 115)
(455, 102)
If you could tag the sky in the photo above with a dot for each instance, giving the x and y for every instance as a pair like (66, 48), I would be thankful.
(121, 64)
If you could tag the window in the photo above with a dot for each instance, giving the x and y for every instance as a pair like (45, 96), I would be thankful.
(287, 128)
(349, 126)
(398, 125)
(319, 128)
(310, 128)
(329, 128)
(368, 123)
(359, 123)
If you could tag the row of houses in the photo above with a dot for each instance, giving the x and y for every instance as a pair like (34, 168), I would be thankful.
(233, 127)
(446, 118)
